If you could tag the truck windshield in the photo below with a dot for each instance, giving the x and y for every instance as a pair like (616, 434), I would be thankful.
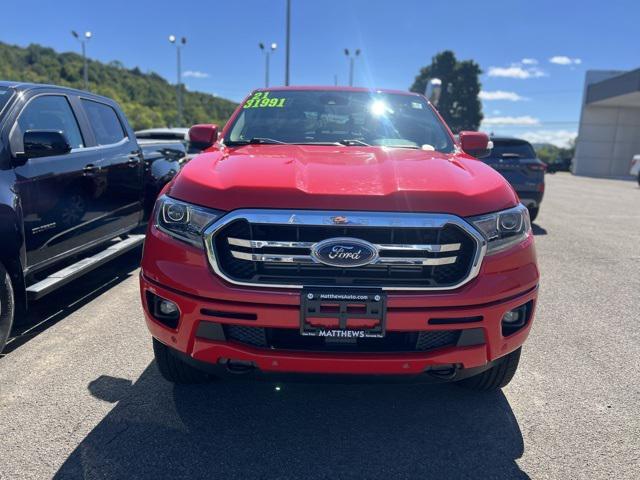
(339, 117)
(5, 95)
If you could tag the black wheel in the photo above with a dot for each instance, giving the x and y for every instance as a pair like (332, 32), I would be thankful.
(639, 179)
(7, 306)
(497, 376)
(533, 212)
(175, 370)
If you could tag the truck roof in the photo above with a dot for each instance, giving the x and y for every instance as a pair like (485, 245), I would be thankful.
(25, 86)
(509, 140)
(336, 88)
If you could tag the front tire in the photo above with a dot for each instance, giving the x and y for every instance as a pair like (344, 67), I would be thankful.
(497, 376)
(7, 306)
(175, 370)
(533, 212)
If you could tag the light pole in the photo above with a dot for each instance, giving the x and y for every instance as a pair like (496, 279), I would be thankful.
(183, 41)
(83, 41)
(267, 55)
(287, 44)
(352, 60)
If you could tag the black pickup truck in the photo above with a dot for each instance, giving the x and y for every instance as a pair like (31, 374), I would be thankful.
(74, 185)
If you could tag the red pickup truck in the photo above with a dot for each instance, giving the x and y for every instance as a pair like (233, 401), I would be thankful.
(339, 231)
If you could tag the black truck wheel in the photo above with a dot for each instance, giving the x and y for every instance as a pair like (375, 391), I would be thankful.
(497, 376)
(7, 306)
(533, 212)
(175, 370)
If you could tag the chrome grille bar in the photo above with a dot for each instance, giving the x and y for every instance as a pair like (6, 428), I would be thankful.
(258, 244)
(416, 261)
(241, 242)
(274, 258)
(446, 247)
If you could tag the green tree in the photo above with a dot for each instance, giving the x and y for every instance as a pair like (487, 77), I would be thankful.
(459, 103)
(549, 153)
(147, 99)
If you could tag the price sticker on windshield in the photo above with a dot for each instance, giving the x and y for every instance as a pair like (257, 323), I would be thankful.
(263, 100)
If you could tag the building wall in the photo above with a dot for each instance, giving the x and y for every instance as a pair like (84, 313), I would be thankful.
(607, 136)
(607, 139)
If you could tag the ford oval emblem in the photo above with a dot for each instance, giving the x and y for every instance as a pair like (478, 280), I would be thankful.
(344, 252)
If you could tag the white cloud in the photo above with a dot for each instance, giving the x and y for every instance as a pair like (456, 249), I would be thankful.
(523, 120)
(564, 60)
(501, 95)
(195, 74)
(529, 61)
(516, 70)
(559, 138)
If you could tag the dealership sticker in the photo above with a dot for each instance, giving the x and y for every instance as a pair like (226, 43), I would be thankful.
(263, 100)
(417, 105)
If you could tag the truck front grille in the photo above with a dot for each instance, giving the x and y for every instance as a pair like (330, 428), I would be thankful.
(414, 251)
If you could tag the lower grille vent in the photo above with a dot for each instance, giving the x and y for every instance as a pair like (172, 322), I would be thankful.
(290, 339)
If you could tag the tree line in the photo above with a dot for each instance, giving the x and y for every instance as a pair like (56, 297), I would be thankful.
(147, 99)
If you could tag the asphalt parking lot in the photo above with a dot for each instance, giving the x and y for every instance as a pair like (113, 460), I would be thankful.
(81, 398)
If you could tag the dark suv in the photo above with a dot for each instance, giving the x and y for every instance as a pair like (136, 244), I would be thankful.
(516, 160)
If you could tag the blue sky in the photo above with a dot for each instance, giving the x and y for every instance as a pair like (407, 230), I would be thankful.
(534, 54)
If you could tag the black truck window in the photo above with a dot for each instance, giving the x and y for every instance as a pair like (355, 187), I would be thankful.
(5, 95)
(51, 112)
(105, 122)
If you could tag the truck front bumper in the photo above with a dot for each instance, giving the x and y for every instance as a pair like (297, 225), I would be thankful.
(180, 274)
(185, 337)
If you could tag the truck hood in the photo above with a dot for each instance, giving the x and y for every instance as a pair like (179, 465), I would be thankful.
(342, 178)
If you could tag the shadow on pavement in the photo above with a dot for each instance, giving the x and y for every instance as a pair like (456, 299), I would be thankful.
(109, 389)
(63, 302)
(537, 229)
(243, 429)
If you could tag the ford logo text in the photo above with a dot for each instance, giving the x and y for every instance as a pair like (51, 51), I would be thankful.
(344, 252)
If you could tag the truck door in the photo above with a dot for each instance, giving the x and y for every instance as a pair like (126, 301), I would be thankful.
(121, 164)
(56, 192)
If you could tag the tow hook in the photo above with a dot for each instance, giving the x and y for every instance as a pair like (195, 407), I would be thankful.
(444, 371)
(239, 367)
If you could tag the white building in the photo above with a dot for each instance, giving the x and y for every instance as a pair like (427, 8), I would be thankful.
(609, 132)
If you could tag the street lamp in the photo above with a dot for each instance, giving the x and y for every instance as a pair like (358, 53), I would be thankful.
(287, 43)
(352, 59)
(83, 41)
(179, 44)
(267, 54)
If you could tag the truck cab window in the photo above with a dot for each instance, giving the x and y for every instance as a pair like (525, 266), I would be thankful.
(105, 122)
(5, 95)
(51, 112)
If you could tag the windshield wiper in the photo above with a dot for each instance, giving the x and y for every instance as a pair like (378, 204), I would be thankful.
(414, 147)
(350, 142)
(265, 141)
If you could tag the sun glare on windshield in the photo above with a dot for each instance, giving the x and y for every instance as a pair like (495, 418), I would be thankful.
(379, 108)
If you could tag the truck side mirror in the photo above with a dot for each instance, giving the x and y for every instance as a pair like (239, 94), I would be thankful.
(476, 144)
(43, 143)
(203, 136)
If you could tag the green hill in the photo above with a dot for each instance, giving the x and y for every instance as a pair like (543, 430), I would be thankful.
(147, 98)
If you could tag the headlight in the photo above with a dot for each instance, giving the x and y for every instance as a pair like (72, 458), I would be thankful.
(503, 229)
(183, 221)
